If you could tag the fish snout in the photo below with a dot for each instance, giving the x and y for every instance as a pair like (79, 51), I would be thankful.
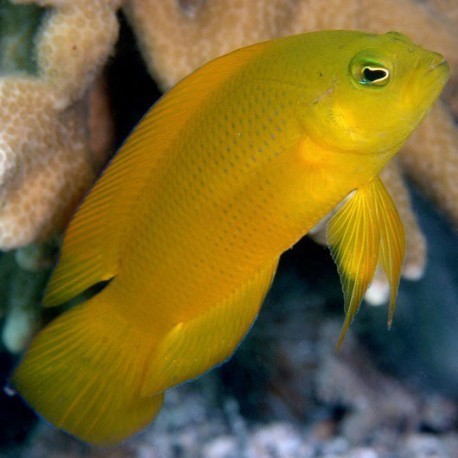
(428, 79)
(438, 62)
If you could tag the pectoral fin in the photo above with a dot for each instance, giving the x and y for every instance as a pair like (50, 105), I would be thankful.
(366, 231)
(392, 242)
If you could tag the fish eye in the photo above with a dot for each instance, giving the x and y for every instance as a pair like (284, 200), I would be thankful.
(374, 75)
(369, 69)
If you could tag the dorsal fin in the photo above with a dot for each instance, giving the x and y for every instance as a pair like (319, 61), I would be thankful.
(91, 246)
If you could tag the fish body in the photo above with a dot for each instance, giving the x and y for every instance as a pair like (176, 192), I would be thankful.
(226, 172)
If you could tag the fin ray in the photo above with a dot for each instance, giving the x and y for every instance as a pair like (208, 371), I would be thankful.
(366, 231)
(354, 242)
(392, 242)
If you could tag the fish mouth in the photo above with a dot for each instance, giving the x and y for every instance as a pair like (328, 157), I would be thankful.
(427, 87)
(441, 64)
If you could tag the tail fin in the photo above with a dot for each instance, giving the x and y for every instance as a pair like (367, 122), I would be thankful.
(84, 372)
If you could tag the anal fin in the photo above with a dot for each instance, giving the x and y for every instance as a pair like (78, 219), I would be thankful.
(193, 347)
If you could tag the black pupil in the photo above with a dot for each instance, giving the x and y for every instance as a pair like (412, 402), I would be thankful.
(373, 75)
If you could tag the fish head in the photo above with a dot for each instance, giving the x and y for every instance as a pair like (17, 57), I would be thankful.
(376, 89)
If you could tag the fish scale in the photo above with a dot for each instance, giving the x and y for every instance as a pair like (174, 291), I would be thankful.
(178, 224)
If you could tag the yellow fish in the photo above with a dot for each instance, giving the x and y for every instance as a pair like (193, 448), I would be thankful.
(226, 172)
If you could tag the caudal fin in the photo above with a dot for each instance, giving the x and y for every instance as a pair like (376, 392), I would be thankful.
(83, 373)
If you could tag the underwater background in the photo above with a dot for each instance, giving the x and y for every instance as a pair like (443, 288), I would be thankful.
(285, 393)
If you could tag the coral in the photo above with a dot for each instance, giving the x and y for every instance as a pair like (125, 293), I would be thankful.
(23, 275)
(177, 37)
(48, 99)
(194, 428)
(373, 400)
(20, 300)
(45, 160)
